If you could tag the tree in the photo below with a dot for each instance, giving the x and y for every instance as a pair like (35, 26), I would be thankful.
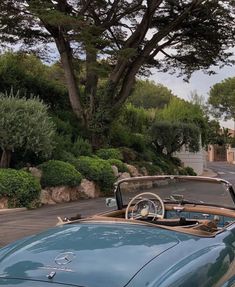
(170, 137)
(147, 94)
(218, 135)
(24, 124)
(222, 99)
(122, 39)
(179, 110)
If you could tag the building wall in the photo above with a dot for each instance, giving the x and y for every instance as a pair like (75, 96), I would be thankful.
(195, 160)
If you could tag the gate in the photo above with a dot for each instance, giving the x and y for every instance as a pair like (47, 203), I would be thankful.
(220, 153)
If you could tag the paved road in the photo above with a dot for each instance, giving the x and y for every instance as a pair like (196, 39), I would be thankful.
(224, 170)
(16, 225)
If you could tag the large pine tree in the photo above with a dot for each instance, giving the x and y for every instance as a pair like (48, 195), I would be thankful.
(116, 40)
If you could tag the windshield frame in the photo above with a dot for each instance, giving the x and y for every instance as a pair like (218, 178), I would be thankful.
(118, 194)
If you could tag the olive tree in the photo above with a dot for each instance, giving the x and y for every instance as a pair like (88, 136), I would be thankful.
(169, 137)
(24, 124)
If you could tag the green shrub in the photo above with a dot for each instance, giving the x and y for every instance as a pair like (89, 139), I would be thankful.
(165, 164)
(119, 164)
(56, 173)
(109, 153)
(152, 169)
(98, 170)
(186, 171)
(81, 147)
(128, 154)
(20, 187)
(137, 142)
(119, 135)
(176, 161)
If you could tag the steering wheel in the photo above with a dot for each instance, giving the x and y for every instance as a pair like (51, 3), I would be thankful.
(145, 207)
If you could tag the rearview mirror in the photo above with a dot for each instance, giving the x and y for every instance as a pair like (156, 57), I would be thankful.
(111, 202)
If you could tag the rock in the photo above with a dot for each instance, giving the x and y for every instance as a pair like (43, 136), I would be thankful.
(45, 197)
(60, 194)
(133, 170)
(3, 203)
(89, 189)
(124, 175)
(35, 172)
(143, 171)
(75, 194)
(115, 170)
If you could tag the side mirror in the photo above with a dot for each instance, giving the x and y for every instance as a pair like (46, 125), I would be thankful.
(111, 202)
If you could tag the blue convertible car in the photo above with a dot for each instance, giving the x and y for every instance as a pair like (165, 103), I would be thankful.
(166, 231)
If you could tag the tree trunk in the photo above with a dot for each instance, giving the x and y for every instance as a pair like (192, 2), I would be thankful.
(67, 63)
(5, 159)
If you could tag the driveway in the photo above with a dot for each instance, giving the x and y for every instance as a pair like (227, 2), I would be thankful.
(15, 225)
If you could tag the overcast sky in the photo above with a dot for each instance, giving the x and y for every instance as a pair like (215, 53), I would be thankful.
(199, 82)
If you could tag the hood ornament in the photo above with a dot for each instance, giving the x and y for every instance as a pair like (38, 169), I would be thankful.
(64, 258)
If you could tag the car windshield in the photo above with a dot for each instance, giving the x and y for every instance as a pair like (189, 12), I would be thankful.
(180, 190)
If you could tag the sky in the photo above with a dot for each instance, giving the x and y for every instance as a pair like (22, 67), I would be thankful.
(199, 82)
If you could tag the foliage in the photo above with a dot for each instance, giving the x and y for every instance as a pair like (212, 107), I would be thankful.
(119, 164)
(147, 94)
(20, 187)
(135, 119)
(187, 171)
(69, 137)
(25, 124)
(170, 137)
(180, 110)
(81, 147)
(98, 170)
(222, 99)
(27, 74)
(57, 173)
(119, 135)
(218, 135)
(189, 35)
(165, 164)
(151, 168)
(128, 154)
(109, 153)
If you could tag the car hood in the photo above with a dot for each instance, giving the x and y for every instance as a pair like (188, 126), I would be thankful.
(90, 255)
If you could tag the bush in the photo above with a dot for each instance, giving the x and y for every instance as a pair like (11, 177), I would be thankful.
(187, 171)
(128, 154)
(152, 169)
(98, 170)
(20, 187)
(119, 164)
(81, 147)
(138, 142)
(109, 153)
(26, 125)
(165, 164)
(176, 161)
(57, 173)
(119, 135)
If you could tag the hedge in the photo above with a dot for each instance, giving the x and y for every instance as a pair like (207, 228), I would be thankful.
(98, 170)
(109, 153)
(57, 173)
(20, 187)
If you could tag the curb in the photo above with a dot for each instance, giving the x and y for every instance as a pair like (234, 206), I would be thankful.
(12, 210)
(209, 173)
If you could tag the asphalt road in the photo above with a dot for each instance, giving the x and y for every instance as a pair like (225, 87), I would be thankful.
(224, 170)
(16, 225)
